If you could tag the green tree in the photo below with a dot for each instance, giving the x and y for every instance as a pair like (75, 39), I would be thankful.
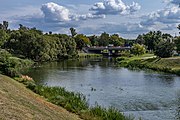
(94, 40)
(73, 32)
(140, 40)
(82, 41)
(103, 40)
(116, 40)
(152, 39)
(164, 49)
(3, 37)
(4, 26)
(138, 49)
(177, 43)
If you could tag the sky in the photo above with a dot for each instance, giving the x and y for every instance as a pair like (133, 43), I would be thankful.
(128, 18)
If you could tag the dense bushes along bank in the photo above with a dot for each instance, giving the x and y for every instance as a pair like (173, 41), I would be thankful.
(168, 65)
(73, 102)
(12, 66)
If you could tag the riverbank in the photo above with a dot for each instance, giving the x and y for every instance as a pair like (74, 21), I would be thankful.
(149, 61)
(89, 55)
(73, 102)
(18, 102)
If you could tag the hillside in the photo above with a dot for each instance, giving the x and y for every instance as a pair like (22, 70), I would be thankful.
(19, 103)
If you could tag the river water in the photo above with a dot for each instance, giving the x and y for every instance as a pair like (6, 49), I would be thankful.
(145, 94)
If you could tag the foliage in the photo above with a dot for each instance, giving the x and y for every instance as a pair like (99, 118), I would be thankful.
(4, 26)
(164, 49)
(94, 40)
(149, 61)
(116, 40)
(26, 80)
(177, 44)
(33, 44)
(105, 39)
(152, 39)
(3, 37)
(12, 66)
(138, 49)
(82, 41)
(59, 96)
(75, 102)
(179, 27)
(73, 32)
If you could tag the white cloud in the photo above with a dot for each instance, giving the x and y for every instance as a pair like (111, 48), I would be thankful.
(114, 7)
(176, 2)
(166, 16)
(55, 12)
(58, 13)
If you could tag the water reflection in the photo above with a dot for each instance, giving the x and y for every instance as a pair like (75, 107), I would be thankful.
(160, 79)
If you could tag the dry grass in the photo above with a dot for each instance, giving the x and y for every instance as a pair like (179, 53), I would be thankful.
(19, 103)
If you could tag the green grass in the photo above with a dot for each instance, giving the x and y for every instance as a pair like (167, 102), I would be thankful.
(76, 103)
(73, 102)
(149, 61)
(88, 55)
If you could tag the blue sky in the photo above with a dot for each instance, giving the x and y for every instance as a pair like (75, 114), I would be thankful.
(128, 18)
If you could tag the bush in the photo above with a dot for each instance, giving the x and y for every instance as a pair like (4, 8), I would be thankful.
(12, 66)
(164, 49)
(138, 49)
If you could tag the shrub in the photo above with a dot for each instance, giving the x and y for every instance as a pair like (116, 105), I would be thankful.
(164, 49)
(12, 66)
(138, 49)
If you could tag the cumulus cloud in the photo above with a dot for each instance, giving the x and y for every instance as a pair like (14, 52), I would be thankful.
(166, 16)
(175, 2)
(114, 7)
(55, 12)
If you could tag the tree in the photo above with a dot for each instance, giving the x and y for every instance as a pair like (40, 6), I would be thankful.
(116, 40)
(73, 32)
(164, 49)
(177, 43)
(103, 40)
(151, 39)
(3, 37)
(94, 40)
(138, 49)
(82, 41)
(140, 40)
(4, 26)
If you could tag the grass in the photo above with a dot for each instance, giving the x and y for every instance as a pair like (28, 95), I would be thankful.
(88, 55)
(149, 61)
(76, 103)
(73, 102)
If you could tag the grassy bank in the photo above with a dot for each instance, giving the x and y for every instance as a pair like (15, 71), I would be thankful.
(88, 55)
(73, 102)
(19, 103)
(149, 61)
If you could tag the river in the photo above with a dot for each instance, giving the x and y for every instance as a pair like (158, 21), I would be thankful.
(146, 94)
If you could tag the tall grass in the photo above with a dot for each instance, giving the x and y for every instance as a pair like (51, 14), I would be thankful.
(77, 103)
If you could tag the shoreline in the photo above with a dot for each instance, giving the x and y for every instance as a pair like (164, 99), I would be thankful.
(167, 65)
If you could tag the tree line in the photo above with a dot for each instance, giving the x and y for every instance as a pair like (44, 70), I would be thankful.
(33, 44)
(18, 48)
